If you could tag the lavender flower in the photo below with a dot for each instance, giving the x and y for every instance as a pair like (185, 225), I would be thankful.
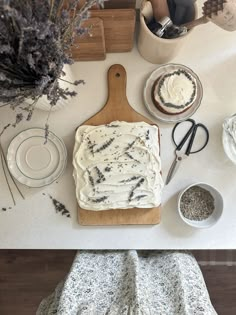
(4, 128)
(35, 41)
(46, 132)
(19, 118)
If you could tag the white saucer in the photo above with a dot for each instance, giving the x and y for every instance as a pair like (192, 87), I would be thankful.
(148, 94)
(34, 163)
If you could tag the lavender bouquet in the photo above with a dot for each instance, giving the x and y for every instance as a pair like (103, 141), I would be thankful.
(35, 41)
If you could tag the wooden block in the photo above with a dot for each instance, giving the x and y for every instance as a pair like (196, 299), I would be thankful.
(90, 46)
(120, 4)
(112, 4)
(119, 25)
(80, 5)
(82, 2)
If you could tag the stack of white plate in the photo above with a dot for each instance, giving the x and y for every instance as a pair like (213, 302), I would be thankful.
(33, 162)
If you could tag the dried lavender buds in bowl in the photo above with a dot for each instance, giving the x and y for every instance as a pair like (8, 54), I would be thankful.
(200, 205)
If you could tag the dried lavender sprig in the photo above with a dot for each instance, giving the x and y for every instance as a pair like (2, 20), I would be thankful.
(76, 82)
(129, 179)
(5, 175)
(4, 128)
(19, 118)
(131, 157)
(77, 19)
(101, 177)
(97, 200)
(60, 207)
(139, 183)
(5, 104)
(105, 145)
(3, 158)
(12, 178)
(140, 197)
(30, 109)
(46, 134)
(130, 145)
(91, 180)
(32, 49)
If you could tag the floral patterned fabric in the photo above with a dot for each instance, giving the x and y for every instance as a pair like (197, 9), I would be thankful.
(130, 283)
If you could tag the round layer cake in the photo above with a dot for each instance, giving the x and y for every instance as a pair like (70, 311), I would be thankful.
(173, 93)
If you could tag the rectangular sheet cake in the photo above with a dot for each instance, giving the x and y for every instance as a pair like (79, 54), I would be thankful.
(117, 166)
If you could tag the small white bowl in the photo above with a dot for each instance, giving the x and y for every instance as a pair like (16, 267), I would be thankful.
(216, 214)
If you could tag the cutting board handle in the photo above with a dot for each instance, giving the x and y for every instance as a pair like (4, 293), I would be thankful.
(117, 87)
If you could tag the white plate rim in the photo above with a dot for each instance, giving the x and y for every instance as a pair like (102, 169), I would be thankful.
(227, 144)
(14, 169)
(172, 118)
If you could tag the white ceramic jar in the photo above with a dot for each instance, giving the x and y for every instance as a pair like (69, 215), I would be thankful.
(155, 49)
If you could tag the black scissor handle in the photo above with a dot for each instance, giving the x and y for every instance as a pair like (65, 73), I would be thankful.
(192, 131)
(193, 135)
(180, 145)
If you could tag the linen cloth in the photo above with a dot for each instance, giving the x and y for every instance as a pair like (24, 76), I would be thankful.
(130, 283)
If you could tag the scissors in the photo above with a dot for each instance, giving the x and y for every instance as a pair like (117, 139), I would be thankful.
(180, 155)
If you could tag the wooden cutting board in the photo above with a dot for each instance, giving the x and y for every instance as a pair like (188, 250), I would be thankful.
(119, 25)
(119, 4)
(117, 107)
(90, 46)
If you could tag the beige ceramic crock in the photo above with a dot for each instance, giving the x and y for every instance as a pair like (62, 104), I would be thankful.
(155, 49)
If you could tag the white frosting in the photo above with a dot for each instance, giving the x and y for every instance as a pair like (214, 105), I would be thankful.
(117, 166)
(176, 89)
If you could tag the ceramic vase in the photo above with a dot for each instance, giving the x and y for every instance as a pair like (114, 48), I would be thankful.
(44, 104)
(155, 49)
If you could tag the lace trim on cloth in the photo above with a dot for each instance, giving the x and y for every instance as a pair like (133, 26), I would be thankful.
(131, 283)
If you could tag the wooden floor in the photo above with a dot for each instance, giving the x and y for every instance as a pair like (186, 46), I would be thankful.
(28, 276)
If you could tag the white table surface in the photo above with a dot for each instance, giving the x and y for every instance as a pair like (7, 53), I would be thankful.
(34, 224)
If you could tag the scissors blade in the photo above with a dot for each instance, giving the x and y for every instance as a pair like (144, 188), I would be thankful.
(174, 166)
